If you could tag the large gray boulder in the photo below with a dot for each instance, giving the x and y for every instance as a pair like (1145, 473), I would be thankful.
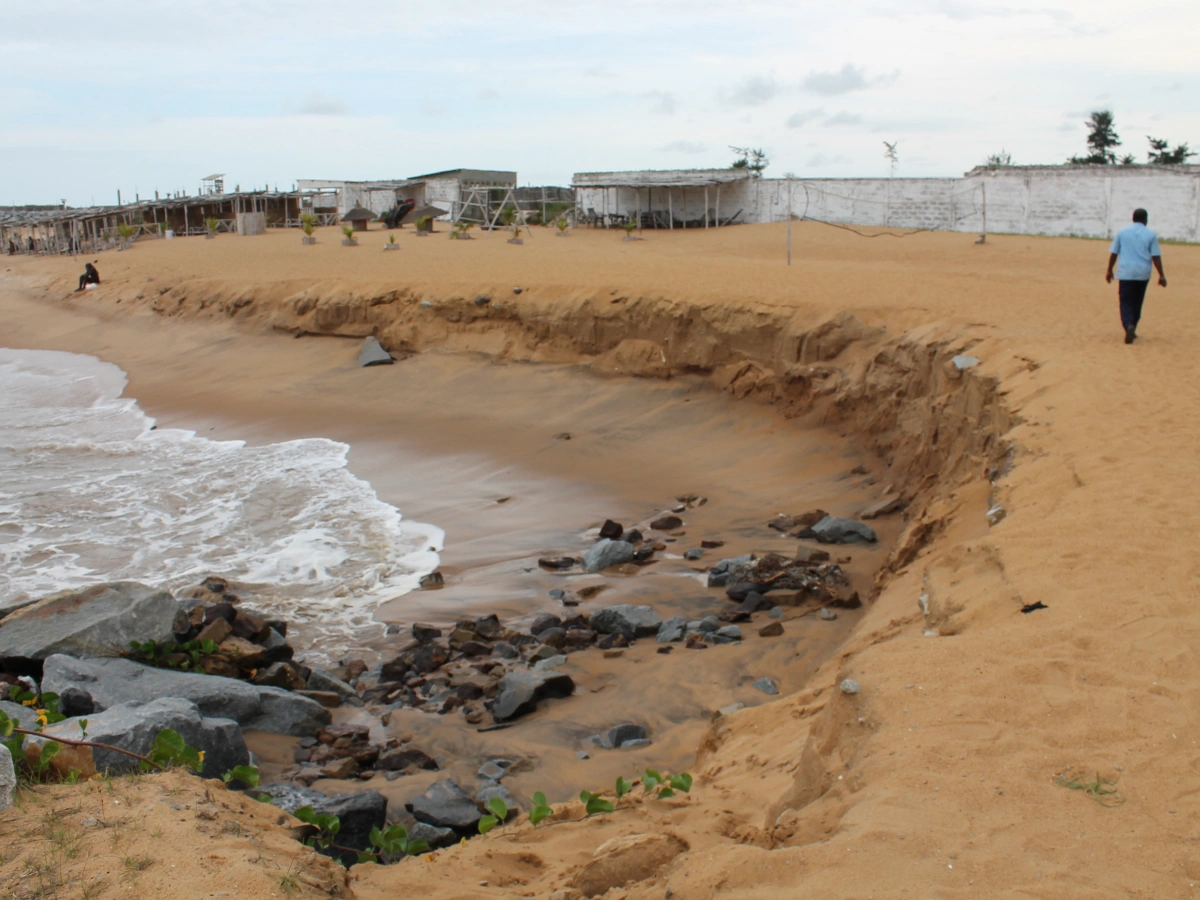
(373, 354)
(111, 682)
(834, 530)
(605, 553)
(445, 805)
(133, 727)
(631, 621)
(8, 779)
(357, 813)
(97, 621)
(520, 692)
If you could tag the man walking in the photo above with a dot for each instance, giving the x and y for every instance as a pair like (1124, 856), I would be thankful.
(1137, 247)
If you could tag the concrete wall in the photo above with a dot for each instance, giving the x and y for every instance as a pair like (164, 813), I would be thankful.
(1088, 201)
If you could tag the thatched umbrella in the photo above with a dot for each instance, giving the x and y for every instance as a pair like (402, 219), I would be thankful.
(418, 214)
(359, 217)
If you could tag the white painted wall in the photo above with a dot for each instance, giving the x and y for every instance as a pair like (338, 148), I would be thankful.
(1089, 201)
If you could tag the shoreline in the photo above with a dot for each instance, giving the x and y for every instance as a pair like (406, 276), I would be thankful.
(1038, 428)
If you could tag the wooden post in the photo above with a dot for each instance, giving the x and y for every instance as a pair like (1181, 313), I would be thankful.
(706, 207)
(789, 215)
(670, 213)
(718, 206)
(983, 236)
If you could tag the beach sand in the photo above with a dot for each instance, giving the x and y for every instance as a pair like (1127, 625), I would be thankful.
(939, 777)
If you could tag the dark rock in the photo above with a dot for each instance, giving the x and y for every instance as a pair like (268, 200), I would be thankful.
(712, 545)
(226, 611)
(476, 648)
(673, 629)
(632, 536)
(543, 652)
(420, 660)
(487, 626)
(771, 629)
(482, 300)
(631, 621)
(743, 589)
(425, 633)
(520, 692)
(405, 758)
(782, 523)
(811, 555)
(694, 643)
(578, 638)
(133, 727)
(827, 614)
(250, 627)
(553, 637)
(556, 562)
(667, 523)
(694, 553)
(619, 734)
(754, 602)
(808, 519)
(605, 553)
(111, 682)
(432, 580)
(445, 805)
(575, 621)
(611, 641)
(542, 621)
(642, 554)
(358, 813)
(97, 621)
(733, 616)
(833, 530)
(767, 686)
(347, 731)
(610, 529)
(718, 575)
(280, 675)
(505, 650)
(468, 692)
(435, 837)
(373, 354)
(275, 648)
(886, 506)
(705, 625)
(320, 680)
(76, 702)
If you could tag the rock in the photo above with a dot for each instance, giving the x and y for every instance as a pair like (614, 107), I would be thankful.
(706, 625)
(603, 554)
(405, 758)
(729, 633)
(883, 507)
(718, 575)
(629, 858)
(712, 544)
(340, 769)
(97, 621)
(827, 614)
(667, 523)
(432, 580)
(833, 530)
(731, 708)
(754, 602)
(611, 530)
(216, 631)
(111, 682)
(673, 629)
(133, 727)
(373, 354)
(490, 789)
(849, 686)
(505, 650)
(578, 638)
(328, 699)
(549, 662)
(694, 553)
(772, 629)
(487, 626)
(435, 837)
(8, 779)
(811, 555)
(582, 754)
(494, 769)
(543, 621)
(520, 692)
(632, 536)
(331, 734)
(808, 519)
(76, 702)
(618, 735)
(543, 652)
(775, 612)
(242, 653)
(425, 633)
(557, 562)
(963, 362)
(275, 647)
(631, 621)
(766, 685)
(280, 675)
(635, 743)
(445, 805)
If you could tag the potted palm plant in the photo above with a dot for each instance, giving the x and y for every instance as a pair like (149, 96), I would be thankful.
(126, 232)
(424, 226)
(562, 225)
(309, 223)
(212, 225)
(348, 240)
(391, 243)
(510, 220)
(459, 231)
(629, 225)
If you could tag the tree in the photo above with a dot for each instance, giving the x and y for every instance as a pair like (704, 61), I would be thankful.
(1128, 160)
(750, 158)
(1101, 139)
(1160, 154)
(1003, 158)
(892, 156)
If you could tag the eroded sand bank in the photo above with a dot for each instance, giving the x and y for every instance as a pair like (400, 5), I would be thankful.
(939, 778)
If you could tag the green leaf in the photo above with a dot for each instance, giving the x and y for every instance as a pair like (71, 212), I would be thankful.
(538, 813)
(6, 725)
(208, 646)
(15, 748)
(248, 775)
(594, 803)
(367, 858)
(49, 751)
(171, 739)
(682, 782)
(539, 799)
(664, 793)
(487, 823)
(265, 798)
(83, 728)
(623, 786)
(416, 847)
(306, 814)
(499, 808)
(651, 779)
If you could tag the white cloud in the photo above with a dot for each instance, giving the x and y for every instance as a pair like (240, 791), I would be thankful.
(754, 91)
(664, 102)
(844, 118)
(318, 104)
(800, 119)
(848, 78)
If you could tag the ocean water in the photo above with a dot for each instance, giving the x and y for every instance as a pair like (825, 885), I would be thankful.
(92, 491)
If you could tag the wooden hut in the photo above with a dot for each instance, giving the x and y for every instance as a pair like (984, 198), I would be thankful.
(358, 218)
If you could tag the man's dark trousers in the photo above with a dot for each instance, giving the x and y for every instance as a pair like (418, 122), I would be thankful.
(1132, 294)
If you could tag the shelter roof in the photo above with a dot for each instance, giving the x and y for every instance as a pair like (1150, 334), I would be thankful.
(358, 214)
(660, 178)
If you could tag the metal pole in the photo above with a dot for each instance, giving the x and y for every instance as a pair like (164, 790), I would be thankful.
(706, 207)
(983, 237)
(718, 206)
(789, 228)
(670, 213)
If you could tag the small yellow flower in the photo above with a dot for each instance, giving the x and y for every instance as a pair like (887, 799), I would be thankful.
(201, 755)
(28, 702)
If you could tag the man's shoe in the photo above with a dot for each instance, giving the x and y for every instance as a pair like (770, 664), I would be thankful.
(1130, 335)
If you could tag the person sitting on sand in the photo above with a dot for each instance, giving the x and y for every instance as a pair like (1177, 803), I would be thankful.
(1137, 247)
(90, 276)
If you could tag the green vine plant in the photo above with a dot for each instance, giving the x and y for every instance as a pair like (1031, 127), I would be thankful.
(459, 231)
(391, 843)
(241, 775)
(186, 656)
(1102, 790)
(541, 809)
(308, 222)
(499, 813)
(327, 824)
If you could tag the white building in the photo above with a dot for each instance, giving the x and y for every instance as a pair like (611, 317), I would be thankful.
(1088, 201)
(446, 190)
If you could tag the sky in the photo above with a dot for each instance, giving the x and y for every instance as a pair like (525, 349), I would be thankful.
(146, 95)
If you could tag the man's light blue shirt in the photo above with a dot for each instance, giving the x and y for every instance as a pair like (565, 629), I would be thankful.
(1134, 246)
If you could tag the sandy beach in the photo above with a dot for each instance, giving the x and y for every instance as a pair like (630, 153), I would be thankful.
(760, 386)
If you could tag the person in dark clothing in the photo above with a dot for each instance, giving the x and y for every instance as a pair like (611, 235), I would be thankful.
(90, 276)
(1136, 246)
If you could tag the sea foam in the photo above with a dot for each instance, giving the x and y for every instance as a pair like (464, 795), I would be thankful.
(91, 491)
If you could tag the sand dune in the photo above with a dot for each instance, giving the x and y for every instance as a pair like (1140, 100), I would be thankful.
(939, 778)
